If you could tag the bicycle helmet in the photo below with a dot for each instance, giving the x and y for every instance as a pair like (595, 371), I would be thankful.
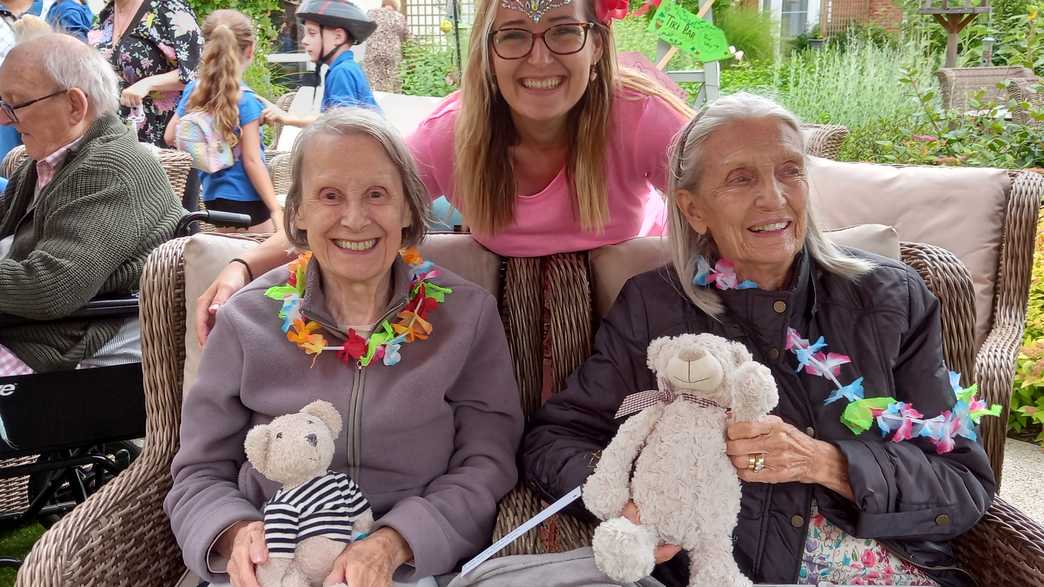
(340, 14)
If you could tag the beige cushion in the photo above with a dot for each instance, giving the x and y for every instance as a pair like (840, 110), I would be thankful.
(958, 209)
(612, 266)
(207, 254)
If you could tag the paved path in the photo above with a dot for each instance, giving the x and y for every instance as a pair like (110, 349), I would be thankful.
(1023, 484)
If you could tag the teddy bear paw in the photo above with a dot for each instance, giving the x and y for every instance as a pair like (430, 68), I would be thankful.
(623, 550)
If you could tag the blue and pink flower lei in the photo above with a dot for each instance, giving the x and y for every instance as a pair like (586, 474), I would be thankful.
(900, 419)
(722, 275)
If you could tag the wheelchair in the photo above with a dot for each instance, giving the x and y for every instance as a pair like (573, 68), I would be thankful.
(64, 434)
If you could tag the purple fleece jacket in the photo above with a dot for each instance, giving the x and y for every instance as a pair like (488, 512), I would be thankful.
(433, 439)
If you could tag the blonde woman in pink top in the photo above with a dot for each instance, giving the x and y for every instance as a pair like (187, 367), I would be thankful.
(549, 147)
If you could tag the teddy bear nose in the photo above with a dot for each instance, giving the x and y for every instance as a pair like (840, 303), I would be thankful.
(690, 355)
(312, 439)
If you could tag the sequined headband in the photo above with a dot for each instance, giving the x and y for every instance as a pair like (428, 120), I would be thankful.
(534, 9)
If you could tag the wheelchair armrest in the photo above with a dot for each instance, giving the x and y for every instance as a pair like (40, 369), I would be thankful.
(117, 306)
(106, 307)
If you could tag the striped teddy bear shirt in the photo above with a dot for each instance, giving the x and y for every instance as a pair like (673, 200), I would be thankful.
(325, 506)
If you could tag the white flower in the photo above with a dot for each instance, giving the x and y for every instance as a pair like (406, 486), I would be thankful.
(184, 24)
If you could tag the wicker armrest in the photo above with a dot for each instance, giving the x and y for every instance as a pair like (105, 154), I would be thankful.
(995, 362)
(1004, 549)
(121, 535)
(950, 281)
(825, 140)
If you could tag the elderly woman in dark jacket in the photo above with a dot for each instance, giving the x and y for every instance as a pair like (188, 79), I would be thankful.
(814, 492)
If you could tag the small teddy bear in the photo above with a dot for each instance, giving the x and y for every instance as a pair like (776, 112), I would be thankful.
(683, 483)
(310, 520)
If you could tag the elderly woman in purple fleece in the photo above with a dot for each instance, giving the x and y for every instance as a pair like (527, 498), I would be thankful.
(413, 356)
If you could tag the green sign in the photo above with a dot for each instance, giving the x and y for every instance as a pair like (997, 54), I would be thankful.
(688, 32)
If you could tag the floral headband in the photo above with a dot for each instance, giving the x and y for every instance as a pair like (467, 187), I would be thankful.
(606, 10)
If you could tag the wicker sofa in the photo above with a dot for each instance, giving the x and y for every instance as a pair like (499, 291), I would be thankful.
(121, 536)
(959, 85)
(1026, 92)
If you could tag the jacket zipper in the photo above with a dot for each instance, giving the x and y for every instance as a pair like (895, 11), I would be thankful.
(355, 395)
(354, 433)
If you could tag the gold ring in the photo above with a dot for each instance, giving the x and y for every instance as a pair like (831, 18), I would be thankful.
(752, 461)
(759, 463)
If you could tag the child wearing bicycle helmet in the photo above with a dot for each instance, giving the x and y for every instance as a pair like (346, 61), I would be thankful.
(331, 27)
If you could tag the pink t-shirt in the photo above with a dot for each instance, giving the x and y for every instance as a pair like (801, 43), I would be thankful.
(640, 134)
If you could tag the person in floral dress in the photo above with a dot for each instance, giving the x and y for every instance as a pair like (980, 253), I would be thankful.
(384, 47)
(154, 46)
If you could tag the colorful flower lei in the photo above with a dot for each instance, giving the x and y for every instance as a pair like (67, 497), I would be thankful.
(722, 275)
(386, 340)
(894, 417)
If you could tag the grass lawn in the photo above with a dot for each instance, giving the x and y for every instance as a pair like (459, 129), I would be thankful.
(17, 542)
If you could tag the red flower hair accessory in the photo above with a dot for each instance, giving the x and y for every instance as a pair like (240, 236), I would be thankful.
(607, 10)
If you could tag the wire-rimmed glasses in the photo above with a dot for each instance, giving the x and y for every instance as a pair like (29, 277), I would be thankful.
(8, 109)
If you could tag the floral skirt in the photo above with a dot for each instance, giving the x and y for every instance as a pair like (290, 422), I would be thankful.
(833, 556)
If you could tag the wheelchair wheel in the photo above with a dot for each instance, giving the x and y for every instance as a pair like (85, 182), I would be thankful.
(71, 485)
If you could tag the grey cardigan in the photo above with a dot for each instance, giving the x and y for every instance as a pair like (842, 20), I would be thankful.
(88, 233)
(433, 439)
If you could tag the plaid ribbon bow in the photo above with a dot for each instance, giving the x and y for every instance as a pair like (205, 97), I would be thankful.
(637, 402)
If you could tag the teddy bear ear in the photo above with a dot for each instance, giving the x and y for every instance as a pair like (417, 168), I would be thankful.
(656, 349)
(256, 446)
(327, 413)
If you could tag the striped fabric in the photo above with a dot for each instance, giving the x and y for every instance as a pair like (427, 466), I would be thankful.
(325, 506)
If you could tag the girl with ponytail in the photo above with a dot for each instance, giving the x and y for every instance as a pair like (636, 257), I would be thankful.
(235, 111)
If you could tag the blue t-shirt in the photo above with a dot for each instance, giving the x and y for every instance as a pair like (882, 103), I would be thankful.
(231, 183)
(71, 16)
(346, 85)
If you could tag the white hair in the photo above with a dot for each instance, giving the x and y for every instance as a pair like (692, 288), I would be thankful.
(686, 157)
(83, 68)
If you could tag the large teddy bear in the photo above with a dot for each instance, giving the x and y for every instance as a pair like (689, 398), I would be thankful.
(310, 520)
(684, 485)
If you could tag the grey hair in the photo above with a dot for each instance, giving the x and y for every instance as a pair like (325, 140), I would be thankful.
(84, 68)
(686, 155)
(366, 122)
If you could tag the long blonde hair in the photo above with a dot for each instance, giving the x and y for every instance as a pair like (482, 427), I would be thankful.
(229, 34)
(484, 132)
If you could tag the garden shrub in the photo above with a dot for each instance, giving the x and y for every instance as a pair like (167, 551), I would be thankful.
(1027, 398)
(758, 77)
(750, 31)
(856, 85)
(428, 70)
(262, 77)
(982, 137)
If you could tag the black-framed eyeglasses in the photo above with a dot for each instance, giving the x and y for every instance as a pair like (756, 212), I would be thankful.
(9, 109)
(561, 39)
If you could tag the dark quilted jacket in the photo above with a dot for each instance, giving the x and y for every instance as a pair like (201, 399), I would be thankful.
(907, 496)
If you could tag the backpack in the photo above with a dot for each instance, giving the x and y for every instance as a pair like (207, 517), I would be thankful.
(198, 136)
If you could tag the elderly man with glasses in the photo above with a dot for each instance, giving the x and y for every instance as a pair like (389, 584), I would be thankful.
(79, 216)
